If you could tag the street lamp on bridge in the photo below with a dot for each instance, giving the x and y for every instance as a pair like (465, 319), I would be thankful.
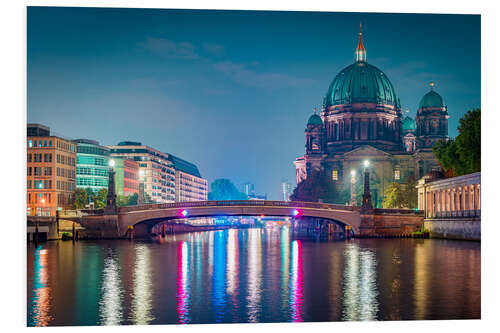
(367, 197)
(353, 187)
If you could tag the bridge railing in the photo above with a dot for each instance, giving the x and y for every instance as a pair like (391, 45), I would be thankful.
(79, 212)
(222, 203)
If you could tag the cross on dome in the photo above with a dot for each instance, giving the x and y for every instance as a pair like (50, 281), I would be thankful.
(360, 49)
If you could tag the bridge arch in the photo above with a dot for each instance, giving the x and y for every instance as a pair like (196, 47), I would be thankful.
(143, 218)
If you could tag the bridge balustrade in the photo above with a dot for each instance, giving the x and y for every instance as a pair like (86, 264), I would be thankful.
(253, 203)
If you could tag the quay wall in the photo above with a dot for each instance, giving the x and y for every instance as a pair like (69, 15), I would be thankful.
(390, 222)
(456, 228)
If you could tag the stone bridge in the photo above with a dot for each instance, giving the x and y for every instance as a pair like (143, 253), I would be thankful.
(114, 222)
(144, 217)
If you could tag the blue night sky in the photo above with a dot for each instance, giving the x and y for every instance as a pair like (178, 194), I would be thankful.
(231, 91)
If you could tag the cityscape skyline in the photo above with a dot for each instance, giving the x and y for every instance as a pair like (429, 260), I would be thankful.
(103, 68)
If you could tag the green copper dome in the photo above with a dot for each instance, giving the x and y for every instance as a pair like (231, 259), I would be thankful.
(315, 120)
(408, 124)
(431, 100)
(361, 83)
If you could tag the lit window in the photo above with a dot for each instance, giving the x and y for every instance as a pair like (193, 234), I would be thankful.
(30, 143)
(397, 174)
(335, 175)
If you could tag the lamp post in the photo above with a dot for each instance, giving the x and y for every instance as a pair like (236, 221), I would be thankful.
(367, 197)
(353, 187)
(111, 197)
(141, 200)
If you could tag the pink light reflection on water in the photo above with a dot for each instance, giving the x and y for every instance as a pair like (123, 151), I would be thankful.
(296, 283)
(183, 301)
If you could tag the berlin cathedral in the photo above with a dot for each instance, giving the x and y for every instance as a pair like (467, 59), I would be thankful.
(361, 120)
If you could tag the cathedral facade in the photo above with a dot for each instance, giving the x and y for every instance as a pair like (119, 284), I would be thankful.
(361, 120)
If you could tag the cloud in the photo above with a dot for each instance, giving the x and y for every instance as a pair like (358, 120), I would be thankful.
(170, 49)
(214, 49)
(241, 74)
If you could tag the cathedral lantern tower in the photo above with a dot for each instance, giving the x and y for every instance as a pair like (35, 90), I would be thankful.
(314, 135)
(432, 119)
(409, 130)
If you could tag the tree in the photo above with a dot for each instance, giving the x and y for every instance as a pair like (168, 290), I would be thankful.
(318, 187)
(462, 155)
(132, 199)
(401, 195)
(121, 200)
(79, 199)
(90, 195)
(100, 198)
(224, 189)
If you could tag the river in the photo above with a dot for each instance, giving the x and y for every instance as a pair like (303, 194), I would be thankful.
(251, 275)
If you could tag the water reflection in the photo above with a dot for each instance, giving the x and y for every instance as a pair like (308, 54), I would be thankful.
(251, 275)
(285, 265)
(219, 275)
(360, 295)
(183, 288)
(420, 282)
(254, 274)
(141, 298)
(110, 305)
(40, 314)
(296, 283)
(232, 261)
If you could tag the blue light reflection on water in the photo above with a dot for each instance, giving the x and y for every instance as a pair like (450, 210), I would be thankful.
(219, 276)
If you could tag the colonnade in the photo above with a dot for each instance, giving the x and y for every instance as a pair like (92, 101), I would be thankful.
(456, 201)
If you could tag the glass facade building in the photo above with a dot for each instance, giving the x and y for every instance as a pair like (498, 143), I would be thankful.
(158, 173)
(91, 165)
(126, 176)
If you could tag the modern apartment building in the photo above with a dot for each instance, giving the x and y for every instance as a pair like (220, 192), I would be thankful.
(51, 171)
(91, 165)
(155, 169)
(189, 185)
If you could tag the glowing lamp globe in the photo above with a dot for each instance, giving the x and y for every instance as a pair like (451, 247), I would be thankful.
(366, 163)
(111, 163)
(184, 212)
(295, 212)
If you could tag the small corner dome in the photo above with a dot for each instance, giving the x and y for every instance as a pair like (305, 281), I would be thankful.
(315, 120)
(409, 124)
(431, 100)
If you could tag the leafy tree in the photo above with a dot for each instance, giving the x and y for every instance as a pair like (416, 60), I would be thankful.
(224, 189)
(90, 195)
(121, 200)
(132, 199)
(318, 186)
(100, 198)
(462, 155)
(79, 199)
(401, 195)
(469, 140)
